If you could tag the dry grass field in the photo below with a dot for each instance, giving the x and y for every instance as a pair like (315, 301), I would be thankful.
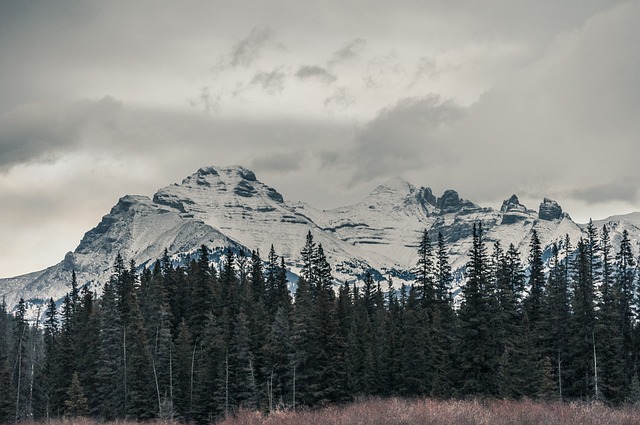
(396, 411)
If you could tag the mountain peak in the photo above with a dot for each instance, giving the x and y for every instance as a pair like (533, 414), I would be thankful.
(513, 211)
(396, 187)
(396, 183)
(550, 210)
(450, 202)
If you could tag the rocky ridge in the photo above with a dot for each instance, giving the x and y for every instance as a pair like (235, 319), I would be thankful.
(225, 207)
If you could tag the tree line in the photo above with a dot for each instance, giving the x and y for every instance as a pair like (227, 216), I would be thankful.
(197, 343)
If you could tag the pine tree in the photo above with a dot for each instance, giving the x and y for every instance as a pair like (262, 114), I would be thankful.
(201, 295)
(533, 325)
(303, 332)
(110, 376)
(580, 369)
(278, 350)
(242, 382)
(51, 370)
(140, 382)
(416, 347)
(608, 331)
(185, 359)
(424, 273)
(509, 278)
(6, 393)
(76, 404)
(20, 360)
(626, 288)
(478, 354)
(533, 303)
(210, 385)
(307, 254)
(558, 316)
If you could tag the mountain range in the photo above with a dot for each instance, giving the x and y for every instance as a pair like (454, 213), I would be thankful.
(228, 207)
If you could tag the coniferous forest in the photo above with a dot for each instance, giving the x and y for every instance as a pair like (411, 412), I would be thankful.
(197, 343)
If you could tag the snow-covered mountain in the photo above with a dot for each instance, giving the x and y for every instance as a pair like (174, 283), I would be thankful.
(229, 207)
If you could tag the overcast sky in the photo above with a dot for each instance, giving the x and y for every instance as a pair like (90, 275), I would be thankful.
(322, 99)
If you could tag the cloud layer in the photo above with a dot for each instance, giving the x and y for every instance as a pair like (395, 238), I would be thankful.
(323, 100)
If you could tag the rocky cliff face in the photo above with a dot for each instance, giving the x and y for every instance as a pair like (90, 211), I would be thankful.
(229, 207)
(550, 210)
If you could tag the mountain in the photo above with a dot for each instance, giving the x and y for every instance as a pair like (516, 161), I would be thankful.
(229, 207)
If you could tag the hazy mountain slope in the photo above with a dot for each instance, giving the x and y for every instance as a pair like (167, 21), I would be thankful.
(229, 207)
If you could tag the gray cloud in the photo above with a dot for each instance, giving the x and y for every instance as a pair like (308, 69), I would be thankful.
(625, 191)
(272, 82)
(280, 162)
(37, 132)
(407, 136)
(207, 101)
(559, 114)
(564, 121)
(351, 51)
(247, 50)
(340, 100)
(315, 72)
(427, 68)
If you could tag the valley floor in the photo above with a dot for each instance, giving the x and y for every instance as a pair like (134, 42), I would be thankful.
(395, 411)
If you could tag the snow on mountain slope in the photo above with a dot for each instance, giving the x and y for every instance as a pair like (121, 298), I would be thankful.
(229, 207)
(253, 214)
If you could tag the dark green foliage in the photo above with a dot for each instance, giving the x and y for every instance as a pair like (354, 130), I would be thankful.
(195, 344)
(478, 353)
(6, 393)
(76, 404)
(110, 375)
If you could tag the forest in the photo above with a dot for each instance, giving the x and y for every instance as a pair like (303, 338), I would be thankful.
(198, 343)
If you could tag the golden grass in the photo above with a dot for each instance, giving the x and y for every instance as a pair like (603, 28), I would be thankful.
(396, 411)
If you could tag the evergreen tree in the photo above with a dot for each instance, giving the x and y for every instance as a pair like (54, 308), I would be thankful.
(210, 386)
(185, 364)
(303, 332)
(533, 303)
(278, 351)
(201, 295)
(533, 360)
(242, 382)
(87, 332)
(76, 404)
(111, 378)
(444, 326)
(140, 377)
(51, 370)
(308, 254)
(580, 369)
(608, 331)
(20, 361)
(6, 387)
(424, 273)
(558, 317)
(626, 291)
(478, 354)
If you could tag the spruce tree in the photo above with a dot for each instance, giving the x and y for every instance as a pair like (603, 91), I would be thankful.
(76, 404)
(478, 355)
(20, 361)
(6, 393)
(111, 376)
(140, 377)
(51, 370)
(582, 325)
(608, 331)
(201, 294)
(277, 368)
(242, 367)
(558, 317)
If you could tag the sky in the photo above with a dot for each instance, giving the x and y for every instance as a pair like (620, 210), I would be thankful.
(323, 100)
